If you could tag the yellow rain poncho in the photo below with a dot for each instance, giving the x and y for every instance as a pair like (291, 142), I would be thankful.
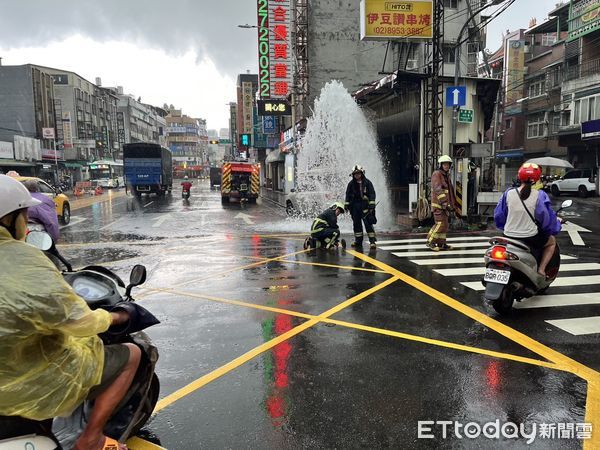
(50, 354)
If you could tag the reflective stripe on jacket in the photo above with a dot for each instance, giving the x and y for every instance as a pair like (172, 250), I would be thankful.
(442, 191)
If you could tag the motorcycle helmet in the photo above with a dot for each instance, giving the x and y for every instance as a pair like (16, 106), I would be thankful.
(14, 196)
(356, 169)
(185, 177)
(340, 205)
(529, 173)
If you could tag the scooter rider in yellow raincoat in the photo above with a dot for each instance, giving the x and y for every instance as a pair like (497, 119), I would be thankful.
(51, 358)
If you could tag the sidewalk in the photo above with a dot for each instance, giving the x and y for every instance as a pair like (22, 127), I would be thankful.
(88, 200)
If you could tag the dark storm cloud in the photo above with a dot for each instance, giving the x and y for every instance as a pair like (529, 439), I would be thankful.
(208, 26)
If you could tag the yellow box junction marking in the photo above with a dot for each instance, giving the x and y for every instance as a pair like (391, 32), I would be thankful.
(202, 381)
(562, 362)
(406, 336)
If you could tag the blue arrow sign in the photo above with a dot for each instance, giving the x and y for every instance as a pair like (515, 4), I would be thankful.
(456, 96)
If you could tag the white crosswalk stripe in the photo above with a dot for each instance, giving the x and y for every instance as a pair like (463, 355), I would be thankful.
(420, 246)
(468, 251)
(578, 326)
(559, 282)
(461, 261)
(481, 270)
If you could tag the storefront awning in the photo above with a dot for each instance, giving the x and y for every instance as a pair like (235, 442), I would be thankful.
(14, 162)
(275, 156)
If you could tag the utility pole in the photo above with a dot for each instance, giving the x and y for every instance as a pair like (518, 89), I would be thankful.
(433, 100)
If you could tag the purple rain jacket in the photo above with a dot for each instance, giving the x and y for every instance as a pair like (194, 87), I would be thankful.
(544, 214)
(45, 214)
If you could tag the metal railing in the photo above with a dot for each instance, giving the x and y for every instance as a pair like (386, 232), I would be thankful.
(583, 70)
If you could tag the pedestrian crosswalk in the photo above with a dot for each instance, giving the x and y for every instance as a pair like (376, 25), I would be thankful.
(578, 284)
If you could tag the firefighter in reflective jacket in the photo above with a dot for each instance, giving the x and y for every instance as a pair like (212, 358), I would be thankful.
(325, 231)
(360, 200)
(443, 203)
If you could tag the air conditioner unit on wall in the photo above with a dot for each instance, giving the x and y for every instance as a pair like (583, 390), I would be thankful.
(412, 64)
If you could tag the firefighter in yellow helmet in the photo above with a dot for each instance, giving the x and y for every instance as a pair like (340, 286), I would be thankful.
(443, 203)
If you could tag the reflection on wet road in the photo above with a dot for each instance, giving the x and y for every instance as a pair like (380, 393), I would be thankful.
(264, 345)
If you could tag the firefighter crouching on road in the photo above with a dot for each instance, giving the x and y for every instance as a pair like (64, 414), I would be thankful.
(443, 203)
(325, 230)
(360, 200)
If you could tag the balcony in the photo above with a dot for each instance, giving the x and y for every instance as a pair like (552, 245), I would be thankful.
(583, 70)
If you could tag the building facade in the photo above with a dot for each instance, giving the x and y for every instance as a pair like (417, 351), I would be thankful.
(187, 138)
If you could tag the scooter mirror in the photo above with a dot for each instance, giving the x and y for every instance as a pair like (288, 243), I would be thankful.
(39, 239)
(138, 275)
(566, 204)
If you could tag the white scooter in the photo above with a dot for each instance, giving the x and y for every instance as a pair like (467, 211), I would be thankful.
(511, 271)
(100, 288)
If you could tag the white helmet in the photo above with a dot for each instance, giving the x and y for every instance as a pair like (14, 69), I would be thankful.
(357, 168)
(14, 196)
(445, 159)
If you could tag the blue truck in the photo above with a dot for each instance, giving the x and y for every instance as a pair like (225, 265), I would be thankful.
(148, 168)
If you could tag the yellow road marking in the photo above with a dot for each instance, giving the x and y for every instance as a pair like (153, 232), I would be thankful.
(306, 263)
(396, 334)
(136, 443)
(451, 345)
(217, 373)
(562, 361)
(238, 303)
(235, 269)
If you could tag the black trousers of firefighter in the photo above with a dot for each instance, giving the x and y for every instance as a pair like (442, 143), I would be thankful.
(326, 236)
(360, 215)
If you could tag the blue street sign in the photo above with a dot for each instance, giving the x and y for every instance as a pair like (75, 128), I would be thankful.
(456, 96)
(269, 125)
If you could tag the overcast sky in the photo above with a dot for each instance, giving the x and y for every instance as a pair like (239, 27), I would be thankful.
(186, 52)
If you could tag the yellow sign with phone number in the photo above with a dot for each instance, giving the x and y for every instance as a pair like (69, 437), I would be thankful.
(388, 19)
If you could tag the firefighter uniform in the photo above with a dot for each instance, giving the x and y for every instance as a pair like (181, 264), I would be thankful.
(325, 228)
(360, 200)
(443, 203)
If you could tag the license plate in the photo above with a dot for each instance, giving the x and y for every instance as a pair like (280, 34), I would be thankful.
(497, 276)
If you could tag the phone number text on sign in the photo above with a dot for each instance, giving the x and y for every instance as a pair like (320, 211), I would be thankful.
(399, 31)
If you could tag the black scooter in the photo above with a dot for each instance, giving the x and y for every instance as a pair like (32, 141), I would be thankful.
(100, 288)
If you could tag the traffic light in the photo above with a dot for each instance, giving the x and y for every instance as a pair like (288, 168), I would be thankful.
(245, 139)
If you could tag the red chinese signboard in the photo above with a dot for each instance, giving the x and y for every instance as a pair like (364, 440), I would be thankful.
(274, 48)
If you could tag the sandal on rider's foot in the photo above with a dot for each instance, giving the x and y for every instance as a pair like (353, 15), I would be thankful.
(112, 444)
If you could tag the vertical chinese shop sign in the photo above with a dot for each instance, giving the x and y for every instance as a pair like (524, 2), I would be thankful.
(274, 48)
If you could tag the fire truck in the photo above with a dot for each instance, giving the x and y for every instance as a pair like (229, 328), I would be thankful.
(240, 180)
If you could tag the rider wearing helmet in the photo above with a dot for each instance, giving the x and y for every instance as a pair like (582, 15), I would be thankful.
(526, 214)
(360, 201)
(186, 184)
(443, 203)
(325, 230)
(51, 358)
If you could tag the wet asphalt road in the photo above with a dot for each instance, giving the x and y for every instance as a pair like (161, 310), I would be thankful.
(263, 345)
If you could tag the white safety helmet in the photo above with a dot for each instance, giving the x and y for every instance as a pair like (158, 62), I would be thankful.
(185, 177)
(445, 159)
(357, 168)
(14, 196)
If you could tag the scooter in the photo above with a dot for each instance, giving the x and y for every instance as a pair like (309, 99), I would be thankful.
(100, 288)
(511, 271)
(185, 194)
